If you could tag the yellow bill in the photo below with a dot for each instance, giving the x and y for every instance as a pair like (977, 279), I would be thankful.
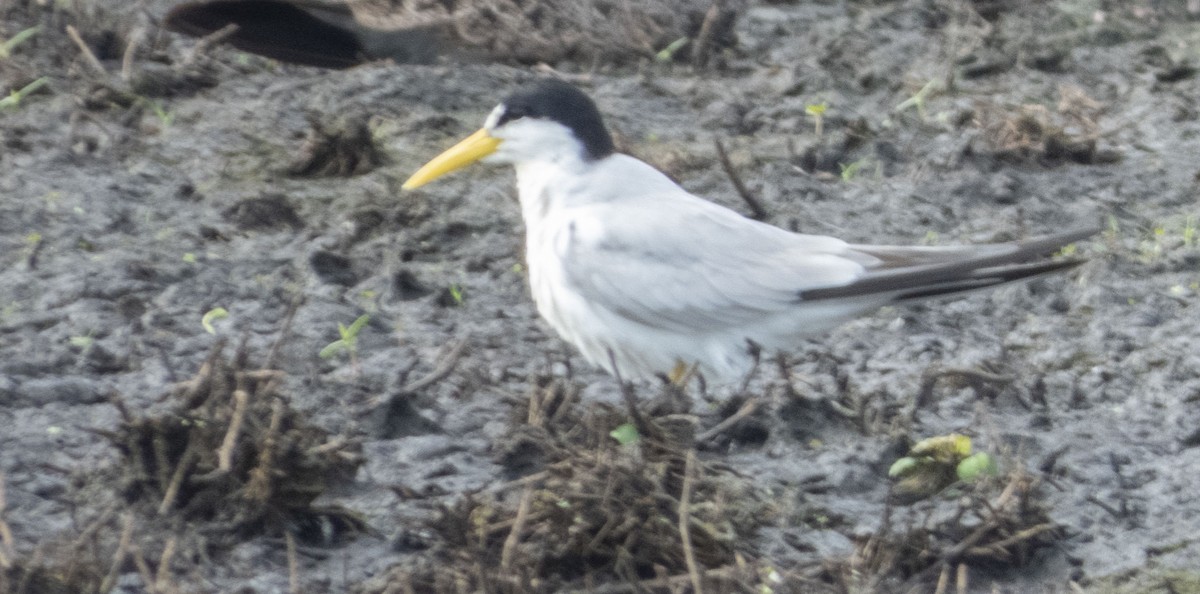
(470, 150)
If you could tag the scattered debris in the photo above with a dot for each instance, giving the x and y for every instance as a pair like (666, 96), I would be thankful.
(232, 452)
(635, 514)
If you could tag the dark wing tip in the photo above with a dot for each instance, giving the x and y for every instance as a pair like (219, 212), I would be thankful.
(994, 267)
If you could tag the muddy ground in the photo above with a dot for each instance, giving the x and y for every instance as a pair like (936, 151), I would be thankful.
(459, 446)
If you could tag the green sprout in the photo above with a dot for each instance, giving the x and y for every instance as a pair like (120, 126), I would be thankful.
(348, 342)
(817, 111)
(851, 170)
(668, 53)
(918, 98)
(7, 47)
(13, 100)
(1189, 230)
(212, 315)
(165, 117)
(456, 293)
(624, 434)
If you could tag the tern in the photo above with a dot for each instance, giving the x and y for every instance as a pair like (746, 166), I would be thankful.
(647, 280)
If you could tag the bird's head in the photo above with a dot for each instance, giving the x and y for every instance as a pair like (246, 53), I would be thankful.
(551, 121)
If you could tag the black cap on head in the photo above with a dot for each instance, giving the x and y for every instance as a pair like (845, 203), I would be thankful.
(561, 102)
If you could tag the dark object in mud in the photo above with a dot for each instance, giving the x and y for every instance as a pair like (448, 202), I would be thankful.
(265, 212)
(585, 508)
(341, 149)
(345, 33)
(231, 451)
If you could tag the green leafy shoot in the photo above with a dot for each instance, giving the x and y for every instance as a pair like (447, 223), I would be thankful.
(14, 98)
(851, 170)
(918, 98)
(348, 341)
(625, 434)
(212, 315)
(668, 53)
(7, 47)
(456, 293)
(817, 111)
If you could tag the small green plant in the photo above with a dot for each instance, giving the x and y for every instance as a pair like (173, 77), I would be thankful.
(624, 434)
(212, 315)
(667, 54)
(456, 293)
(165, 117)
(817, 111)
(918, 99)
(1189, 231)
(7, 47)
(851, 170)
(14, 98)
(935, 463)
(348, 343)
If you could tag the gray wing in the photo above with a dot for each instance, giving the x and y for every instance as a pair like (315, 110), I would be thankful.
(707, 268)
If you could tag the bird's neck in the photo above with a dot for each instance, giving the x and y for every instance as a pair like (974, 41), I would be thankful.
(548, 186)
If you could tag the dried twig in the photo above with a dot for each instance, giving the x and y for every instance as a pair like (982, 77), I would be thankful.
(514, 535)
(444, 367)
(7, 549)
(89, 58)
(225, 454)
(207, 42)
(746, 410)
(757, 212)
(181, 471)
(293, 563)
(114, 570)
(135, 39)
(685, 516)
(164, 565)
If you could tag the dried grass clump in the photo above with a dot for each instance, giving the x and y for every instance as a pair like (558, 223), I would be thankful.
(1032, 132)
(994, 526)
(593, 30)
(233, 452)
(641, 516)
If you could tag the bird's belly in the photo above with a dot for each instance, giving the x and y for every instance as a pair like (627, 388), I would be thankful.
(624, 346)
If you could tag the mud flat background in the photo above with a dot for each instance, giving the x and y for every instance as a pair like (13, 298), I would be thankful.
(454, 445)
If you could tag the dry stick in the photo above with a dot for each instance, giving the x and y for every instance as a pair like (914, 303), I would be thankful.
(702, 47)
(757, 212)
(7, 553)
(746, 410)
(293, 563)
(685, 516)
(110, 580)
(1021, 535)
(88, 57)
(135, 40)
(143, 569)
(164, 565)
(208, 41)
(514, 535)
(943, 581)
(444, 367)
(225, 454)
(181, 471)
(961, 579)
